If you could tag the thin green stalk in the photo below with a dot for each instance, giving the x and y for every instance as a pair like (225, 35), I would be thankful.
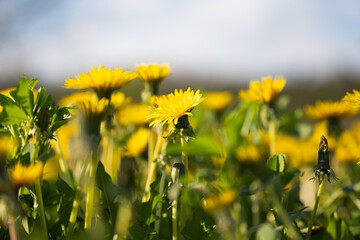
(74, 210)
(284, 217)
(185, 159)
(174, 221)
(272, 132)
(89, 208)
(313, 215)
(152, 167)
(161, 192)
(42, 210)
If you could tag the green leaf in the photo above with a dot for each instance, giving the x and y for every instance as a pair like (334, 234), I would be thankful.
(267, 232)
(66, 194)
(25, 96)
(109, 191)
(338, 229)
(12, 113)
(202, 145)
(277, 163)
(46, 155)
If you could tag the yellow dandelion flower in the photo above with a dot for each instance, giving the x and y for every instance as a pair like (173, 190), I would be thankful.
(119, 100)
(328, 110)
(137, 142)
(75, 98)
(249, 153)
(224, 199)
(217, 101)
(103, 80)
(265, 91)
(348, 146)
(133, 114)
(26, 175)
(6, 146)
(92, 107)
(169, 108)
(153, 72)
(352, 99)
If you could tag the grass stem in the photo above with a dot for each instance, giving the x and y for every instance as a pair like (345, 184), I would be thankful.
(42, 210)
(313, 215)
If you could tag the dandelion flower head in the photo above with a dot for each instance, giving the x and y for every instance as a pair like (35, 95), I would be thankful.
(137, 142)
(352, 99)
(153, 72)
(265, 91)
(26, 175)
(328, 110)
(217, 101)
(103, 80)
(133, 114)
(169, 108)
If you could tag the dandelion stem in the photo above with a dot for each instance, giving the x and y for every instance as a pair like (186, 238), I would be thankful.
(161, 192)
(90, 194)
(313, 215)
(185, 159)
(174, 221)
(272, 132)
(152, 166)
(42, 210)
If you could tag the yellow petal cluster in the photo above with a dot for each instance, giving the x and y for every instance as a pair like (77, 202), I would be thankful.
(153, 72)
(348, 146)
(224, 199)
(133, 114)
(75, 98)
(93, 107)
(217, 101)
(102, 80)
(119, 100)
(352, 99)
(328, 110)
(169, 108)
(137, 142)
(265, 91)
(249, 153)
(6, 146)
(26, 175)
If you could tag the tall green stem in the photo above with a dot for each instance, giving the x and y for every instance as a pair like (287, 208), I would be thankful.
(174, 221)
(42, 210)
(313, 215)
(161, 192)
(89, 208)
(272, 132)
(185, 160)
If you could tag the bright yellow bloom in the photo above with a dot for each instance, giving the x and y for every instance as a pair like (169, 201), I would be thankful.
(169, 108)
(92, 107)
(265, 91)
(119, 100)
(137, 142)
(75, 98)
(133, 114)
(103, 80)
(6, 146)
(153, 72)
(249, 154)
(348, 147)
(217, 101)
(328, 110)
(352, 99)
(224, 199)
(26, 175)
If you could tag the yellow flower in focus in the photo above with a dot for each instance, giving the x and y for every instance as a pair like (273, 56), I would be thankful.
(26, 175)
(217, 101)
(224, 199)
(169, 108)
(153, 72)
(119, 100)
(137, 142)
(352, 99)
(249, 154)
(103, 80)
(133, 114)
(328, 110)
(265, 91)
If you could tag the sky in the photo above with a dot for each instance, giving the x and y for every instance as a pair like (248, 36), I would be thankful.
(228, 40)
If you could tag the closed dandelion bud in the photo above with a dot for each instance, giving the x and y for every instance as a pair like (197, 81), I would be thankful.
(323, 155)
